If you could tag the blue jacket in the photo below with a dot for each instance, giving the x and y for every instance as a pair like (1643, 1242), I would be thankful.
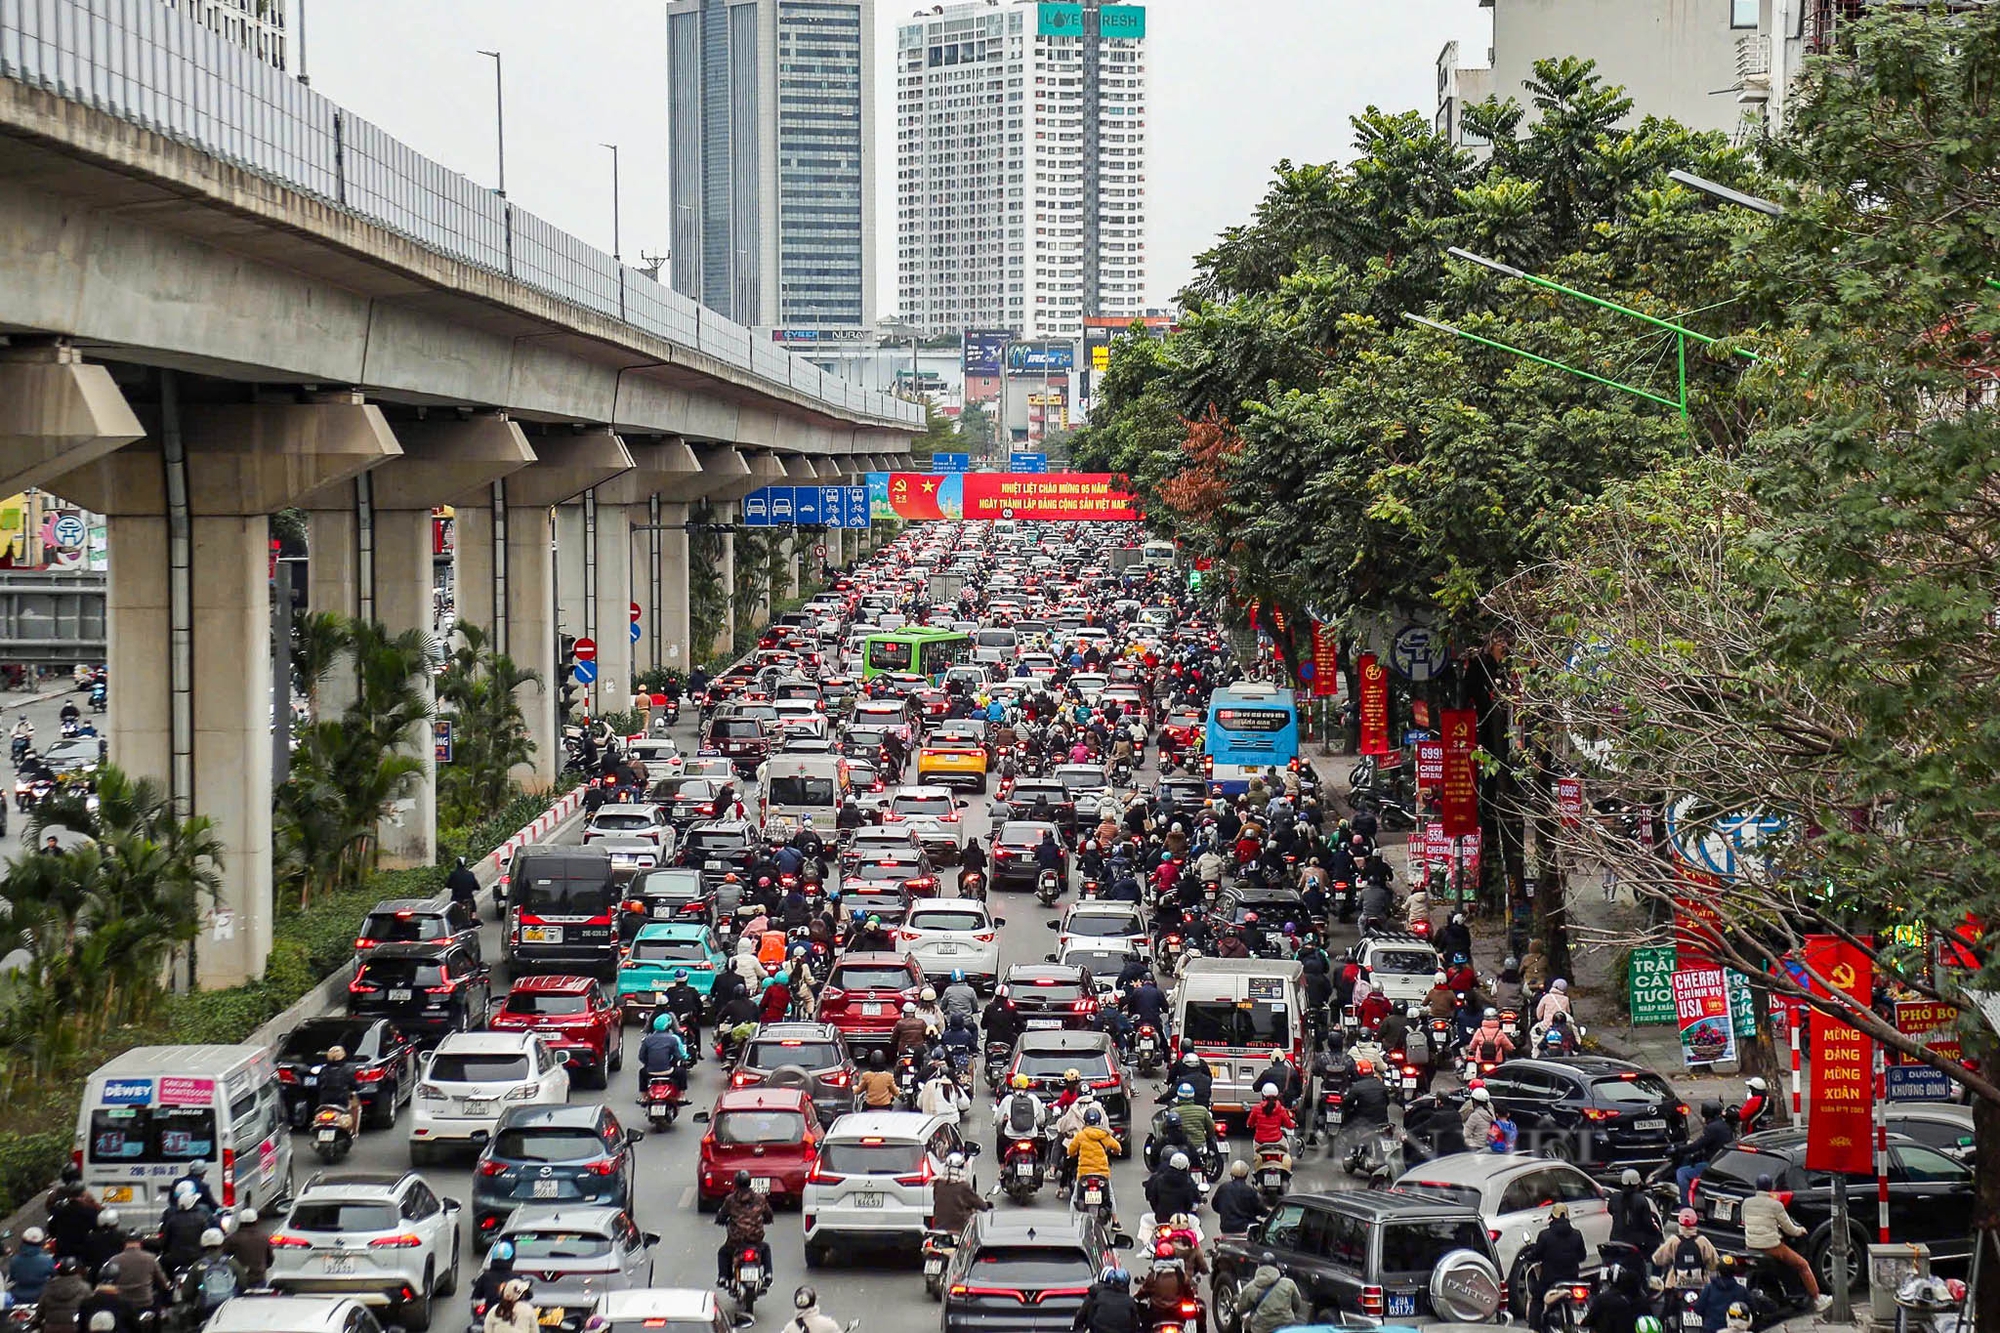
(30, 1271)
(661, 1053)
(1721, 1292)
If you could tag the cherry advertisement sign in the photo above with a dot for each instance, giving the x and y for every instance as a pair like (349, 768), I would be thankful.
(1430, 765)
(1569, 801)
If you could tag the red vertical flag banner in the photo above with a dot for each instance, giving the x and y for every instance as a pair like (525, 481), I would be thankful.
(1430, 765)
(1326, 663)
(1374, 704)
(1458, 795)
(1569, 800)
(1841, 1096)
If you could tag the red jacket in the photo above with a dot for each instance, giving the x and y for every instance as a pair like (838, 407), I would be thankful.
(1267, 1125)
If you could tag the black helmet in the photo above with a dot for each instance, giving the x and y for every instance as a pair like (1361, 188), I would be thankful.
(72, 1174)
(68, 1264)
(743, 1180)
(877, 1059)
(1268, 1259)
(1710, 1110)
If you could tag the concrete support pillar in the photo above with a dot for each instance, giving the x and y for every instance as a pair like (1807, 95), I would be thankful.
(670, 607)
(405, 576)
(472, 562)
(531, 637)
(573, 616)
(727, 512)
(614, 606)
(138, 619)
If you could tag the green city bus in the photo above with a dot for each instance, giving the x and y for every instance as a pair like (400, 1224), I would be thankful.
(928, 652)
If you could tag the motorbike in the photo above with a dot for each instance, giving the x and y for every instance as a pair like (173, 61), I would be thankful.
(972, 884)
(663, 1101)
(747, 1278)
(333, 1133)
(24, 1318)
(1680, 1310)
(1272, 1172)
(1377, 1156)
(1146, 1050)
(1093, 1195)
(938, 1247)
(998, 1055)
(1563, 1306)
(1172, 946)
(98, 698)
(1090, 889)
(1021, 1170)
(20, 747)
(31, 792)
(906, 1081)
(1183, 1320)
(1331, 1114)
(1048, 887)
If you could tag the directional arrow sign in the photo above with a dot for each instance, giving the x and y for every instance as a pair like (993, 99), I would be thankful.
(586, 650)
(584, 672)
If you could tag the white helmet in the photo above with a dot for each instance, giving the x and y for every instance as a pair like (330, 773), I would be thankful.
(33, 1236)
(211, 1238)
(1437, 979)
(1268, 1090)
(246, 1216)
(909, 1006)
(954, 1166)
(1179, 1161)
(927, 994)
(1481, 1095)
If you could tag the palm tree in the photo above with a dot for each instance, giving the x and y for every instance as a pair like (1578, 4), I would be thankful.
(318, 640)
(481, 688)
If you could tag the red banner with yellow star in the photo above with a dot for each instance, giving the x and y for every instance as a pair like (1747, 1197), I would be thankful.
(1089, 496)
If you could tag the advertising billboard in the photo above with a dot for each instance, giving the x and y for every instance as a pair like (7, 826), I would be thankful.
(1096, 496)
(980, 354)
(1064, 18)
(1041, 357)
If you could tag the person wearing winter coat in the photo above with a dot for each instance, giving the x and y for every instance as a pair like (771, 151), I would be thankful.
(513, 1312)
(1270, 1301)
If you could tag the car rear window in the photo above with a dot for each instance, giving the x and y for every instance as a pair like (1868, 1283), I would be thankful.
(925, 805)
(1104, 925)
(1416, 1247)
(310, 1041)
(565, 896)
(773, 1053)
(550, 1143)
(535, 1245)
(1049, 992)
(470, 1067)
(1642, 1090)
(686, 789)
(402, 927)
(1222, 1023)
(1442, 1191)
(1029, 1267)
(860, 977)
(752, 1127)
(739, 728)
(716, 842)
(870, 1159)
(1105, 963)
(1404, 962)
(402, 973)
(622, 820)
(130, 1134)
(545, 1004)
(659, 951)
(939, 918)
(341, 1216)
(1045, 1064)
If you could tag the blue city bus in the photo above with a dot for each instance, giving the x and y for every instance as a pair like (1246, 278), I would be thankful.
(1251, 728)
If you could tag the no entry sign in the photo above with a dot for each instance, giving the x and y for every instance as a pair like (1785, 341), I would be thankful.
(586, 650)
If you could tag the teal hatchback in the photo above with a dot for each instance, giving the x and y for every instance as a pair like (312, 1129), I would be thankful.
(659, 950)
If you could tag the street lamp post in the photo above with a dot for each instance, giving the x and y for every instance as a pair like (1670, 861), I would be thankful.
(499, 121)
(617, 251)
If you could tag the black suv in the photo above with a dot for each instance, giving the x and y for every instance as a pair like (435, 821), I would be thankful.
(1602, 1114)
(810, 1056)
(383, 1059)
(673, 894)
(1013, 860)
(1024, 1271)
(720, 847)
(1930, 1198)
(426, 990)
(1026, 791)
(1051, 995)
(418, 921)
(1046, 1056)
(552, 1155)
(1385, 1257)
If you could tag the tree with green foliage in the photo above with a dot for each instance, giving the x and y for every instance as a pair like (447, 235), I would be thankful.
(480, 689)
(977, 430)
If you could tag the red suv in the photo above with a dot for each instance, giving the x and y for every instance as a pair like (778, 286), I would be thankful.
(864, 995)
(773, 1133)
(572, 1016)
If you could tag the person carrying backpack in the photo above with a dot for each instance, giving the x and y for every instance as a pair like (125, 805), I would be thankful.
(214, 1278)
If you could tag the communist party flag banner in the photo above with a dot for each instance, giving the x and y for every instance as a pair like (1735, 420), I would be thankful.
(1096, 496)
(1374, 704)
(1458, 794)
(1326, 663)
(1841, 1100)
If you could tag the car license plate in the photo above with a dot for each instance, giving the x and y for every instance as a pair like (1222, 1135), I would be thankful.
(871, 1011)
(326, 1136)
(663, 909)
(870, 1199)
(711, 865)
(934, 1264)
(548, 1189)
(947, 948)
(760, 1184)
(1645, 1125)
(118, 1194)
(337, 1263)
(480, 1105)
(1401, 1303)
(1722, 1210)
(1037, 1023)
(398, 995)
(541, 934)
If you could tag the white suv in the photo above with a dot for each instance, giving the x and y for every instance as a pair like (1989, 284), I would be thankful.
(383, 1240)
(932, 812)
(954, 934)
(872, 1181)
(472, 1077)
(1514, 1193)
(1400, 966)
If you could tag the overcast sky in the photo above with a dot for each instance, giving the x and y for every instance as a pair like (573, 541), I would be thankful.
(1235, 86)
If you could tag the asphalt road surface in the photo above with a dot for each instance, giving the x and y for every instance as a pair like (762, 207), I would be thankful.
(45, 717)
(886, 1292)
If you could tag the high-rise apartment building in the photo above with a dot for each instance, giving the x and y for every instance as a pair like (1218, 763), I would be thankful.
(770, 136)
(256, 25)
(1021, 166)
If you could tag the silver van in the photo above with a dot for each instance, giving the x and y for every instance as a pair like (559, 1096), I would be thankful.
(151, 1113)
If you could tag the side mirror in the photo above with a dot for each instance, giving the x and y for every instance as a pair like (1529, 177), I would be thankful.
(701, 1117)
(1121, 1241)
(633, 1136)
(453, 1206)
(650, 1239)
(963, 804)
(999, 920)
(1052, 924)
(970, 1148)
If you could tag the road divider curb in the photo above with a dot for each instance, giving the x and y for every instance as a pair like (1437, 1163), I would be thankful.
(543, 825)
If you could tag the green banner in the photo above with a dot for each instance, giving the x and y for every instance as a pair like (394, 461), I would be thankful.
(1650, 998)
(1064, 18)
(1122, 21)
(1742, 1016)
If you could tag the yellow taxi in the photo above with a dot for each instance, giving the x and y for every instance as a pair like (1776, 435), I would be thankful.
(953, 761)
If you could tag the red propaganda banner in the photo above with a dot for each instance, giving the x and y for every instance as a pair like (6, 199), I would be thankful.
(1841, 1098)
(1374, 704)
(1458, 794)
(1697, 919)
(1569, 800)
(1430, 765)
(1095, 496)
(1326, 663)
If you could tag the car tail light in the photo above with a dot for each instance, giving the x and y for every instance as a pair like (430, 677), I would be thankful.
(603, 1166)
(1371, 1300)
(741, 1080)
(818, 1176)
(229, 1177)
(287, 1076)
(985, 936)
(374, 1075)
(1083, 1006)
(492, 1168)
(837, 1079)
(923, 1176)
(405, 1241)
(1783, 1196)
(1104, 1083)
(283, 1242)
(360, 987)
(1598, 1116)
(364, 943)
(524, 1093)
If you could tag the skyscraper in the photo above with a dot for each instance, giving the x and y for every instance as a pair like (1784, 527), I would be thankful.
(1021, 166)
(771, 118)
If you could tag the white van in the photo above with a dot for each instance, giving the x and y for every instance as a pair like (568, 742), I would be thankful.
(1236, 1013)
(1157, 555)
(794, 790)
(995, 643)
(154, 1111)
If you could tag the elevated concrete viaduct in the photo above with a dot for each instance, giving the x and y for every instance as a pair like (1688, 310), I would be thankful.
(200, 326)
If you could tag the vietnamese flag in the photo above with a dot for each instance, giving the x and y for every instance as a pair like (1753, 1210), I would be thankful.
(914, 495)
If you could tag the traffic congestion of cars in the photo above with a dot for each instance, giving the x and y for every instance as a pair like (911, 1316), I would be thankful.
(907, 953)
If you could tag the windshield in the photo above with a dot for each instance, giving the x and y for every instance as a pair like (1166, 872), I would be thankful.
(545, 1004)
(802, 791)
(1103, 925)
(1029, 1268)
(1222, 1023)
(1051, 1064)
(1048, 992)
(121, 1134)
(656, 950)
(467, 1067)
(548, 1144)
(310, 1041)
(889, 655)
(939, 918)
(402, 927)
(854, 977)
(870, 1159)
(341, 1216)
(1404, 962)
(754, 1127)
(534, 1245)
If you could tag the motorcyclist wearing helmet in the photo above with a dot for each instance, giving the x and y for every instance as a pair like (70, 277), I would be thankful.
(960, 998)
(746, 1213)
(663, 1054)
(1072, 1092)
(1271, 1120)
(1162, 1290)
(1767, 1225)
(180, 1235)
(1489, 1042)
(1367, 1101)
(877, 1084)
(1757, 1104)
(870, 938)
(1440, 1001)
(1091, 1148)
(498, 1273)
(1635, 1219)
(71, 1217)
(106, 1239)
(1686, 1258)
(1238, 1204)
(1285, 1076)
(250, 1245)
(337, 1087)
(214, 1278)
(1171, 1188)
(1615, 1307)
(141, 1281)
(1109, 1307)
(953, 1200)
(1018, 1115)
(1475, 1118)
(809, 1317)
(960, 1042)
(684, 1002)
(196, 1176)
(1560, 1253)
(1194, 1122)
(1720, 1292)
(1689, 1159)
(32, 1267)
(911, 1033)
(64, 1296)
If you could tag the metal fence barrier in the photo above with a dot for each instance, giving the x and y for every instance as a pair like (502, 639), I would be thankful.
(150, 65)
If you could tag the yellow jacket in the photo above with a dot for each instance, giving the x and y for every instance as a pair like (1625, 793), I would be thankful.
(1092, 1147)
